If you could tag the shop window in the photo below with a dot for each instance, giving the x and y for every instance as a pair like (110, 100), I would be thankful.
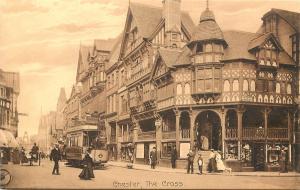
(231, 151)
(235, 86)
(167, 148)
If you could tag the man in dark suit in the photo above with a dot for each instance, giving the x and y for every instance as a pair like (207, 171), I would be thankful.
(153, 158)
(173, 157)
(190, 159)
(55, 156)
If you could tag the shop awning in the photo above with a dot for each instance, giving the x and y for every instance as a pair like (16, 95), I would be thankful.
(7, 139)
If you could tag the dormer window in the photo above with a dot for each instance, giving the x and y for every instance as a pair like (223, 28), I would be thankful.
(199, 48)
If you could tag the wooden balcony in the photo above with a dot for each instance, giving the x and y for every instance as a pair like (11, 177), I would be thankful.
(144, 136)
(169, 135)
(231, 133)
(185, 133)
(277, 133)
(258, 134)
(253, 133)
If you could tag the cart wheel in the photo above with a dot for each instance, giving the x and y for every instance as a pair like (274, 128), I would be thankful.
(5, 177)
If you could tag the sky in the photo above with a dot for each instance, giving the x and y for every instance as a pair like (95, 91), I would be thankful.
(40, 39)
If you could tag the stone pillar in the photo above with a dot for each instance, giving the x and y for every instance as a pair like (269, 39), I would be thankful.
(223, 121)
(192, 126)
(177, 115)
(240, 128)
(158, 127)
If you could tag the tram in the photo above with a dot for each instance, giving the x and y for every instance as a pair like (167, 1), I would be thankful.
(80, 139)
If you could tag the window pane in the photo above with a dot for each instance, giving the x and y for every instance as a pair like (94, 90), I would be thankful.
(217, 85)
(200, 73)
(208, 85)
(235, 85)
(208, 73)
(200, 86)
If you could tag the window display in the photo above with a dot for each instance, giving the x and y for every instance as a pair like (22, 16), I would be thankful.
(231, 151)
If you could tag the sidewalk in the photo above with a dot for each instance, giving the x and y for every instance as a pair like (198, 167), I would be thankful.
(183, 171)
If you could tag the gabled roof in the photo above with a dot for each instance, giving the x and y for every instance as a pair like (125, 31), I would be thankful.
(293, 18)
(115, 52)
(260, 40)
(84, 52)
(169, 56)
(238, 45)
(104, 45)
(146, 17)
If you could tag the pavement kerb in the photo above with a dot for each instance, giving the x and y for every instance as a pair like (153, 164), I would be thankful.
(167, 170)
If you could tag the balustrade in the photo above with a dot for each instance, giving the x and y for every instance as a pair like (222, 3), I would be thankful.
(169, 134)
(151, 135)
(231, 133)
(185, 133)
(253, 133)
(258, 133)
(277, 133)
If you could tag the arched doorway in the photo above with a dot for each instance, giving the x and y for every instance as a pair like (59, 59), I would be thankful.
(208, 131)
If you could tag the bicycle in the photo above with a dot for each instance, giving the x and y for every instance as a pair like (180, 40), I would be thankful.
(5, 177)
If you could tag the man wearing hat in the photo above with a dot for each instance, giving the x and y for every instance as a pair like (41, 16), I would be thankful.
(153, 158)
(200, 163)
(55, 156)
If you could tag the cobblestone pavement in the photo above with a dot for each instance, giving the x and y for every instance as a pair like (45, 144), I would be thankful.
(114, 177)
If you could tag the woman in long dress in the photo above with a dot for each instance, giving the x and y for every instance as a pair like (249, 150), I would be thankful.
(220, 164)
(87, 172)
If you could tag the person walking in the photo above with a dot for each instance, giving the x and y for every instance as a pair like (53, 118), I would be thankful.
(282, 161)
(200, 163)
(153, 158)
(55, 156)
(34, 153)
(87, 172)
(173, 157)
(211, 167)
(190, 166)
(220, 167)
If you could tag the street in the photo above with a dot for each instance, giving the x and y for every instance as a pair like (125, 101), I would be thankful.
(122, 178)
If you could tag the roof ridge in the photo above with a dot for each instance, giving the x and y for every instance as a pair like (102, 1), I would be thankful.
(276, 9)
(240, 31)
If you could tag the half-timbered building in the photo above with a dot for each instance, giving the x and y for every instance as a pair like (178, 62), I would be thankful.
(204, 88)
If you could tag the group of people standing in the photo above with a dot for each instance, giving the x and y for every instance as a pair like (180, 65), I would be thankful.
(215, 163)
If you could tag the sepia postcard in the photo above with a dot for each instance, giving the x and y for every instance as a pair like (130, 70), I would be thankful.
(150, 94)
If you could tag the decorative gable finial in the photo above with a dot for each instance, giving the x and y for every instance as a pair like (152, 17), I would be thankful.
(207, 4)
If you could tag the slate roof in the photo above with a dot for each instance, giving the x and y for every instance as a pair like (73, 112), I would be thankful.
(104, 45)
(175, 57)
(238, 45)
(115, 52)
(293, 18)
(10, 79)
(207, 29)
(148, 17)
(260, 39)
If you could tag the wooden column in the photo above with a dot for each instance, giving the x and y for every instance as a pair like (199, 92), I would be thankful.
(158, 127)
(266, 114)
(192, 126)
(240, 112)
(223, 120)
(177, 114)
(289, 136)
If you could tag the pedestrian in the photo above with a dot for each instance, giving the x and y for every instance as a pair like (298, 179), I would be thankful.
(282, 160)
(190, 166)
(55, 156)
(153, 158)
(173, 157)
(87, 172)
(220, 167)
(34, 153)
(200, 163)
(211, 167)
